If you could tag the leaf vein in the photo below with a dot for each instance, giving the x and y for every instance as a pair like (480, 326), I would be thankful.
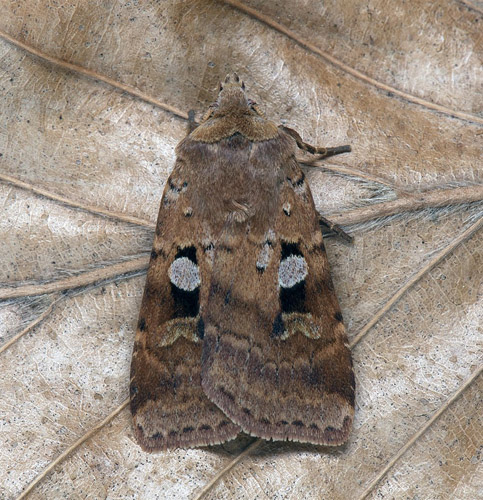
(349, 69)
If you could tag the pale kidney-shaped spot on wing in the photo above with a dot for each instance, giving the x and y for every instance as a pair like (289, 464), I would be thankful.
(184, 274)
(292, 270)
(264, 257)
(266, 251)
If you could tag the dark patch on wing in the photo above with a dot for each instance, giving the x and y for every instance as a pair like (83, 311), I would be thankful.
(297, 181)
(189, 252)
(292, 299)
(209, 247)
(177, 188)
(289, 249)
(278, 326)
(186, 303)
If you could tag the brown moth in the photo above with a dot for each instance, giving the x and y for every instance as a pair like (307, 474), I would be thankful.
(239, 328)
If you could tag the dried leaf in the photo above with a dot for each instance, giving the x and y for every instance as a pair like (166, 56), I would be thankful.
(94, 102)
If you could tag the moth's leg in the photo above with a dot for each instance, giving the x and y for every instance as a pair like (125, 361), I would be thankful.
(333, 229)
(209, 112)
(323, 152)
(191, 121)
(330, 227)
(192, 124)
(257, 110)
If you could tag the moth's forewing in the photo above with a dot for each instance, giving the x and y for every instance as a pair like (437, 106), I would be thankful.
(275, 352)
(168, 404)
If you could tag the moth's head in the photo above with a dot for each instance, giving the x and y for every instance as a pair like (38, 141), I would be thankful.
(232, 98)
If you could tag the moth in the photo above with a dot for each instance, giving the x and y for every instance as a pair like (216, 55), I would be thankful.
(239, 329)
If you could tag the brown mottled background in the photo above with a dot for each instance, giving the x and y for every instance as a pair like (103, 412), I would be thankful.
(82, 168)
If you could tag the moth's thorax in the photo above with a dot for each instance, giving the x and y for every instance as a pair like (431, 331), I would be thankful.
(254, 128)
(234, 113)
(236, 181)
